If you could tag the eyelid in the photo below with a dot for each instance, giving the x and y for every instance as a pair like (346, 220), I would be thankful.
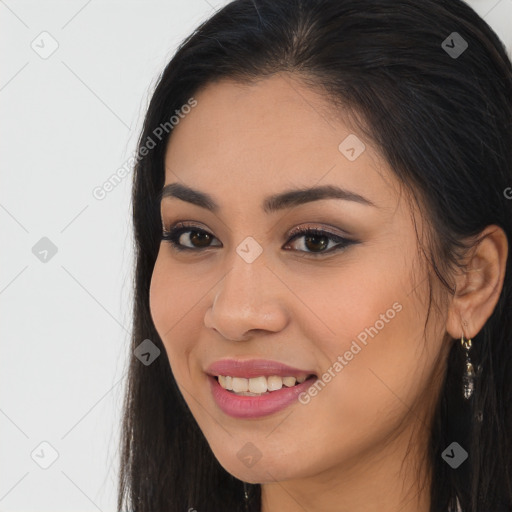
(184, 224)
(332, 231)
(291, 233)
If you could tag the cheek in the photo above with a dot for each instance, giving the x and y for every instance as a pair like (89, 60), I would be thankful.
(166, 309)
(384, 369)
(369, 340)
(159, 296)
(171, 295)
(176, 310)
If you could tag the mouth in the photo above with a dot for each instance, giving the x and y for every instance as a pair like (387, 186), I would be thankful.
(253, 388)
(250, 405)
(260, 385)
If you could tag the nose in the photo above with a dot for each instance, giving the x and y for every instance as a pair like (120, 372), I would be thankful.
(249, 299)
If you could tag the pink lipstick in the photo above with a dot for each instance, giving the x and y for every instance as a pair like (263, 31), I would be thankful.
(264, 404)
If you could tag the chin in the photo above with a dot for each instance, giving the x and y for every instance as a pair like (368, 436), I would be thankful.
(265, 470)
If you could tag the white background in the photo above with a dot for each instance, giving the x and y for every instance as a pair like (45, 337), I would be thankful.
(68, 122)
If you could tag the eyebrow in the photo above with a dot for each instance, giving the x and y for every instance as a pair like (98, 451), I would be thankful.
(272, 203)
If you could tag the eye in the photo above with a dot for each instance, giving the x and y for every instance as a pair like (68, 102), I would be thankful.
(181, 232)
(184, 237)
(316, 241)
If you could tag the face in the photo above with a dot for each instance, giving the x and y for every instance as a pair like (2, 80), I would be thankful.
(346, 303)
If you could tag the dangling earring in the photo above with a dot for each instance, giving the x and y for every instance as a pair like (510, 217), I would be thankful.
(246, 498)
(468, 379)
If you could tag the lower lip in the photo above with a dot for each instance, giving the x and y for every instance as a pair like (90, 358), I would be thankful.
(256, 406)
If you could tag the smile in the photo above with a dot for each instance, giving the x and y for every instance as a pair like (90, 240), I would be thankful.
(256, 386)
(248, 405)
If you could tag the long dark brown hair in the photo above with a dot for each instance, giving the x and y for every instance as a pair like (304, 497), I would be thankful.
(444, 124)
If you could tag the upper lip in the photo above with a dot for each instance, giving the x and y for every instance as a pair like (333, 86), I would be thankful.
(254, 368)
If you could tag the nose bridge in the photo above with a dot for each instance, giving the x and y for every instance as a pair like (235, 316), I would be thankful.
(245, 300)
(247, 261)
(243, 286)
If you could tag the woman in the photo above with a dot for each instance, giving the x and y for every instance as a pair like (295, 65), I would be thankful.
(322, 211)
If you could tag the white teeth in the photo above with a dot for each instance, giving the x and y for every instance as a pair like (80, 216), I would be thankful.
(289, 381)
(240, 384)
(274, 383)
(257, 385)
(226, 381)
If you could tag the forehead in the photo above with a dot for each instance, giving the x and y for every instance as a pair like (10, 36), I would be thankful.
(268, 135)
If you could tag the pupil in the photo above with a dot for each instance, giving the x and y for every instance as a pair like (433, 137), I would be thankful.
(316, 237)
(203, 237)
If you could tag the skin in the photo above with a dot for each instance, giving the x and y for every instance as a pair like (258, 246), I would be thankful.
(359, 444)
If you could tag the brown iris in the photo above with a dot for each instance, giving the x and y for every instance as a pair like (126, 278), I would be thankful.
(201, 237)
(316, 242)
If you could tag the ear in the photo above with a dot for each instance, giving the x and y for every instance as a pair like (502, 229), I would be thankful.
(479, 287)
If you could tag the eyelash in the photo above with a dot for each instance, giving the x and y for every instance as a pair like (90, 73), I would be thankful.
(173, 234)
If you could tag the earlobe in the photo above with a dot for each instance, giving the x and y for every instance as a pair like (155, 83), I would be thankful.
(479, 286)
